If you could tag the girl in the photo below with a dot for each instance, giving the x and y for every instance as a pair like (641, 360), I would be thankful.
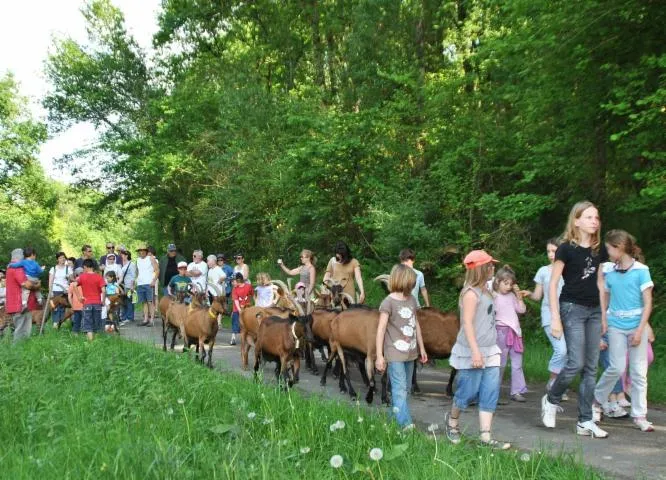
(508, 302)
(263, 295)
(306, 271)
(113, 292)
(59, 279)
(628, 283)
(398, 335)
(476, 355)
(577, 261)
(77, 305)
(542, 281)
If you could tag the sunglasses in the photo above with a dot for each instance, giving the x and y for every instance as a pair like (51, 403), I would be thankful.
(110, 247)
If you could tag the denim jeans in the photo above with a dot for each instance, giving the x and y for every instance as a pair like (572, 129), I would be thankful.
(127, 310)
(235, 322)
(400, 374)
(582, 332)
(604, 361)
(92, 318)
(478, 383)
(559, 357)
(57, 314)
(619, 342)
(77, 318)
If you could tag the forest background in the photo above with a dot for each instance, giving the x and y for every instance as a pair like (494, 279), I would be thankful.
(269, 127)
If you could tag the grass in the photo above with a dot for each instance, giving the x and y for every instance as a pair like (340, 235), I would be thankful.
(116, 409)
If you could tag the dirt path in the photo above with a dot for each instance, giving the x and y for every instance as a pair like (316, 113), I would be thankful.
(627, 453)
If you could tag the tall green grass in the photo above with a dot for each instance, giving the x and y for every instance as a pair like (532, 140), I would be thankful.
(115, 409)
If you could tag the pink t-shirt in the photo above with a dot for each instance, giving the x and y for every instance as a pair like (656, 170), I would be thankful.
(507, 308)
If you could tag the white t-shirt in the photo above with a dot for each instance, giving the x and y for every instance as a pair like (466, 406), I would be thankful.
(60, 282)
(114, 268)
(199, 267)
(146, 271)
(264, 295)
(215, 276)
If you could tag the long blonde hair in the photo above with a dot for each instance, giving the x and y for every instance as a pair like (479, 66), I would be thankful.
(310, 255)
(263, 279)
(571, 233)
(478, 276)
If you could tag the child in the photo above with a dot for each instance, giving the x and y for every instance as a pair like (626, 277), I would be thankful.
(407, 257)
(398, 334)
(92, 295)
(32, 271)
(542, 281)
(626, 378)
(178, 285)
(476, 355)
(113, 291)
(263, 295)
(306, 271)
(577, 261)
(241, 295)
(628, 283)
(73, 294)
(508, 302)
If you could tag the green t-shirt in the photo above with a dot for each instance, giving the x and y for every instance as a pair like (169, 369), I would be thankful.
(179, 283)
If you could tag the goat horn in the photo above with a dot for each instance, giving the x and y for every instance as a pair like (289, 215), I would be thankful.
(282, 285)
(348, 297)
(289, 283)
(382, 278)
(215, 288)
(299, 308)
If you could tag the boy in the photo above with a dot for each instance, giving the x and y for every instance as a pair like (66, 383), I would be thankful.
(33, 271)
(92, 295)
(178, 284)
(240, 294)
(407, 257)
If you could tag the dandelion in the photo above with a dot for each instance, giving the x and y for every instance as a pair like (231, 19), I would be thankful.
(181, 401)
(376, 454)
(359, 419)
(305, 450)
(336, 461)
(267, 420)
(339, 425)
(251, 415)
(525, 457)
(433, 427)
(169, 411)
(396, 410)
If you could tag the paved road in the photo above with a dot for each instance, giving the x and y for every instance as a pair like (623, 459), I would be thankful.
(627, 453)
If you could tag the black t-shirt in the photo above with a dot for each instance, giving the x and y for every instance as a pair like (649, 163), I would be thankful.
(171, 270)
(580, 273)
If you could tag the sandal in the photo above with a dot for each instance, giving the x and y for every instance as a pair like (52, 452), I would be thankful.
(492, 443)
(452, 433)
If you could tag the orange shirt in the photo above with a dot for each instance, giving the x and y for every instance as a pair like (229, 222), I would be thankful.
(73, 299)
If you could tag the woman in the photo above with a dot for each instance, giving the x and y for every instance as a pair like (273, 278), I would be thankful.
(242, 267)
(306, 271)
(59, 281)
(345, 269)
(127, 280)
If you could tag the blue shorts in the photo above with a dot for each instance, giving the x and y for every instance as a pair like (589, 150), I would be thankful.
(144, 293)
(92, 318)
(478, 383)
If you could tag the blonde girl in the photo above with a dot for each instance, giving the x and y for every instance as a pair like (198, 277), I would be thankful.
(577, 314)
(263, 294)
(306, 271)
(398, 336)
(627, 294)
(475, 354)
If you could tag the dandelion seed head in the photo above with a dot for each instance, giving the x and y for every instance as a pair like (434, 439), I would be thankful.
(433, 427)
(336, 461)
(376, 454)
(396, 409)
(267, 420)
(525, 457)
(305, 450)
(251, 415)
(359, 419)
(169, 411)
(181, 401)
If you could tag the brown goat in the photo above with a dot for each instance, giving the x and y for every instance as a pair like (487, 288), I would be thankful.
(279, 340)
(250, 319)
(353, 333)
(201, 325)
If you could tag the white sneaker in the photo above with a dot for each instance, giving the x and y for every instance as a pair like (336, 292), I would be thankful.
(624, 403)
(549, 412)
(565, 397)
(596, 412)
(613, 410)
(590, 429)
(643, 424)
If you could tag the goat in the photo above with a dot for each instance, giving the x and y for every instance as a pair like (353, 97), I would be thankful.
(61, 301)
(201, 325)
(250, 318)
(279, 340)
(353, 333)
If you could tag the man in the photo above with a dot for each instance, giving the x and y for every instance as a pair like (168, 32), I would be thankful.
(110, 250)
(407, 257)
(217, 277)
(197, 270)
(92, 296)
(16, 281)
(148, 271)
(229, 273)
(86, 253)
(169, 266)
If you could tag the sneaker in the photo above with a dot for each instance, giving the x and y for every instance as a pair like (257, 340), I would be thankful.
(590, 429)
(624, 403)
(452, 433)
(643, 424)
(233, 340)
(549, 412)
(517, 397)
(565, 397)
(123, 323)
(613, 410)
(596, 412)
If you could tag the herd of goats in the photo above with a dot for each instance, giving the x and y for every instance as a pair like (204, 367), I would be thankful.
(293, 328)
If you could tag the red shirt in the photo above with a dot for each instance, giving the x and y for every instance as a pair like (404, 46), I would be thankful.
(92, 285)
(13, 304)
(242, 293)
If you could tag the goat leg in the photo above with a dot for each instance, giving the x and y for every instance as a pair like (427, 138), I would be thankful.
(173, 338)
(331, 357)
(385, 396)
(449, 386)
(344, 373)
(415, 385)
(370, 370)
